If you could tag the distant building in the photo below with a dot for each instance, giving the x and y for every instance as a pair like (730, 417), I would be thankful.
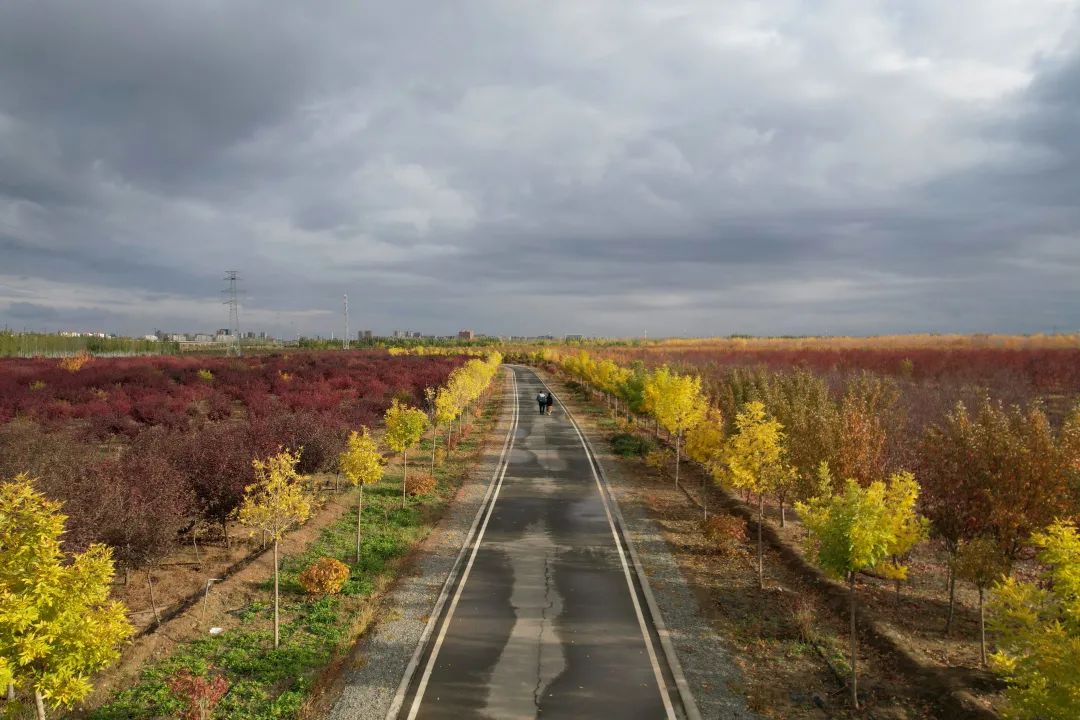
(154, 338)
(364, 335)
(466, 335)
(397, 333)
(575, 337)
(178, 337)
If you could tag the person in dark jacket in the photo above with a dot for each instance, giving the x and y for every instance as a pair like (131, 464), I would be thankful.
(541, 399)
(549, 402)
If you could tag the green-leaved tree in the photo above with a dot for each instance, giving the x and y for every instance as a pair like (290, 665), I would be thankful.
(854, 531)
(1038, 631)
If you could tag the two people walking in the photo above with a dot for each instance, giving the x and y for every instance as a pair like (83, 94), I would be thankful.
(545, 400)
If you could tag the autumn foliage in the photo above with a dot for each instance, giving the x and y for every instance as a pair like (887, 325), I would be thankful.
(325, 576)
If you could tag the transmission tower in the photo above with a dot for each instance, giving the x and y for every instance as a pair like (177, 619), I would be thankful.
(233, 278)
(345, 337)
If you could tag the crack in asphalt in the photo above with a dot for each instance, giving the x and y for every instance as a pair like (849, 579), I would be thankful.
(548, 605)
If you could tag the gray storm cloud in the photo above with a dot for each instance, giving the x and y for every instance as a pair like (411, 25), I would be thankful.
(603, 167)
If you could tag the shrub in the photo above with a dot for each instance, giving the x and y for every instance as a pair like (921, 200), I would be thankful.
(200, 694)
(419, 484)
(629, 445)
(75, 363)
(205, 375)
(725, 533)
(325, 576)
(661, 462)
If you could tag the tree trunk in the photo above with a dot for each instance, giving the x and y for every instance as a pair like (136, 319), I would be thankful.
(678, 438)
(952, 596)
(195, 545)
(783, 519)
(11, 692)
(39, 705)
(153, 601)
(854, 657)
(760, 555)
(359, 515)
(404, 475)
(982, 627)
(225, 532)
(277, 616)
(434, 445)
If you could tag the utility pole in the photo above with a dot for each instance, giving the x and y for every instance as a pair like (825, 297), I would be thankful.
(345, 337)
(233, 278)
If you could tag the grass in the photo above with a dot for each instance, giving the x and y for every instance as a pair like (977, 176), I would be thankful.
(267, 683)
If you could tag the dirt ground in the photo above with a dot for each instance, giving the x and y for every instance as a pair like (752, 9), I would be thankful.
(792, 647)
(180, 576)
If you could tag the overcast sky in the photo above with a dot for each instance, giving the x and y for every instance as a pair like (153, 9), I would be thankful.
(572, 166)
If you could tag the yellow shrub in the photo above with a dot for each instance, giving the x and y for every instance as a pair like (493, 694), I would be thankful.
(325, 576)
(75, 363)
(419, 484)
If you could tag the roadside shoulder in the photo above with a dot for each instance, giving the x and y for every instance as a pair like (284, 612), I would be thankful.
(378, 661)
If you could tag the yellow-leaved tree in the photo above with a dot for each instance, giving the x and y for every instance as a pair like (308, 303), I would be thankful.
(361, 464)
(677, 404)
(404, 427)
(274, 503)
(444, 412)
(754, 460)
(854, 531)
(705, 444)
(909, 529)
(57, 624)
(1038, 631)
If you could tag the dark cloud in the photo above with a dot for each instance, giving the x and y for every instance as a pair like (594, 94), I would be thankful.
(608, 167)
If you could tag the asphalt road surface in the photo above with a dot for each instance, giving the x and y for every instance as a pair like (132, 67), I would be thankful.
(546, 619)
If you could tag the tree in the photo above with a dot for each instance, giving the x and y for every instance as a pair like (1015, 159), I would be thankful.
(1000, 474)
(755, 461)
(981, 562)
(275, 502)
(854, 531)
(57, 624)
(705, 444)
(677, 404)
(1038, 631)
(802, 403)
(404, 428)
(362, 464)
(908, 529)
(867, 412)
(445, 410)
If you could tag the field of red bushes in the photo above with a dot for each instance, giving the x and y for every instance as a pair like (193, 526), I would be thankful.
(143, 450)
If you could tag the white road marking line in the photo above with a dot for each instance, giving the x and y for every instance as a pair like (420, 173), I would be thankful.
(664, 693)
(422, 687)
(410, 669)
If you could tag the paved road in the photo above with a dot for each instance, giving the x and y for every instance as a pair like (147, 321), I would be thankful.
(546, 623)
